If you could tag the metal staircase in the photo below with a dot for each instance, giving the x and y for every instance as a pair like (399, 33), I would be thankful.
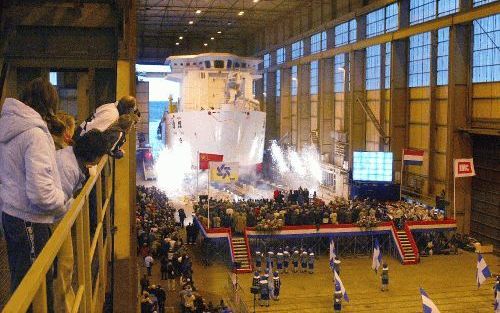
(410, 256)
(374, 120)
(241, 254)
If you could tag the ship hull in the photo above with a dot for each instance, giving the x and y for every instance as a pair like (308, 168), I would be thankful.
(237, 135)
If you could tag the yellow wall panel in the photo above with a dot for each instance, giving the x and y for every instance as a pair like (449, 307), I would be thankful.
(419, 111)
(420, 93)
(440, 142)
(439, 166)
(441, 112)
(482, 108)
(442, 92)
(373, 95)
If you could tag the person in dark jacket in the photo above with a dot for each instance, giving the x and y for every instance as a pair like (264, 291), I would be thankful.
(182, 217)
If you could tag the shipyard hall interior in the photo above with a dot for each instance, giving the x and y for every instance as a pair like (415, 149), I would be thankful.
(243, 156)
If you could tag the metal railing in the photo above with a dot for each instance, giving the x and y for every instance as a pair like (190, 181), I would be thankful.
(92, 252)
(234, 294)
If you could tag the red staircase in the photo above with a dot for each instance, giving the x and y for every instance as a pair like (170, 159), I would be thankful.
(407, 245)
(241, 253)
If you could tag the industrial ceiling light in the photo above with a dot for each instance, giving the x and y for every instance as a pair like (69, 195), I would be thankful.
(191, 22)
(219, 32)
(205, 44)
(198, 11)
(241, 13)
(212, 38)
(180, 37)
(255, 1)
(177, 43)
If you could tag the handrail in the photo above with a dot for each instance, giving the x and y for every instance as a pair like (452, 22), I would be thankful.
(412, 243)
(32, 289)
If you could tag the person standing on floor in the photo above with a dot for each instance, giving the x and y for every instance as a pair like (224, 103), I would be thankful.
(170, 276)
(148, 262)
(311, 261)
(286, 259)
(303, 261)
(277, 286)
(258, 260)
(295, 260)
(337, 299)
(385, 278)
(264, 292)
(31, 192)
(279, 260)
(182, 216)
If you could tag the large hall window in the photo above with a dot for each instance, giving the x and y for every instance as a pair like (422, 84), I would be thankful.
(339, 69)
(442, 55)
(314, 77)
(382, 20)
(318, 42)
(297, 49)
(422, 11)
(267, 60)
(482, 2)
(420, 60)
(280, 55)
(426, 10)
(447, 7)
(345, 33)
(295, 81)
(373, 67)
(387, 65)
(278, 83)
(486, 51)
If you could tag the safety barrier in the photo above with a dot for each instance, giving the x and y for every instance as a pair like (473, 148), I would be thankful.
(92, 253)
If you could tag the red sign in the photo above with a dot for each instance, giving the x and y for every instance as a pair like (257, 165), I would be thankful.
(464, 168)
(205, 158)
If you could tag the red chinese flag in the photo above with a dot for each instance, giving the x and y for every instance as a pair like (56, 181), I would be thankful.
(207, 157)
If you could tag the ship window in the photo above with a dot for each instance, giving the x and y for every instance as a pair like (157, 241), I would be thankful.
(182, 64)
(175, 64)
(219, 64)
(243, 65)
(207, 64)
(229, 63)
(236, 65)
(188, 64)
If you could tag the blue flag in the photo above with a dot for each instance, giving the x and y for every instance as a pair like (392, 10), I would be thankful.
(483, 271)
(427, 304)
(377, 256)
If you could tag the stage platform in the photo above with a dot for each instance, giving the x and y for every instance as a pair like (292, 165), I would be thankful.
(407, 251)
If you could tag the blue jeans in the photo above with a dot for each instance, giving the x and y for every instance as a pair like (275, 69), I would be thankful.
(22, 250)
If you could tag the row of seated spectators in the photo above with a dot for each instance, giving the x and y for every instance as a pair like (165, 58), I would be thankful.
(286, 210)
(161, 237)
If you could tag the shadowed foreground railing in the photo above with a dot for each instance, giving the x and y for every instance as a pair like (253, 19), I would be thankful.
(91, 254)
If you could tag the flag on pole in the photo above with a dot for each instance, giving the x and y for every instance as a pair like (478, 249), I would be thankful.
(342, 288)
(222, 172)
(377, 256)
(463, 167)
(413, 157)
(483, 271)
(427, 304)
(206, 158)
(333, 255)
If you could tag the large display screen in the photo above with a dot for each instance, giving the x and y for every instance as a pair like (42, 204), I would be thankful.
(372, 166)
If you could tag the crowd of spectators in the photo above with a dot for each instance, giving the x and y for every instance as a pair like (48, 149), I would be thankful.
(296, 207)
(160, 237)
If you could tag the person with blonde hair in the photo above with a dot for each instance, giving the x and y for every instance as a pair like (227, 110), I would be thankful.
(64, 138)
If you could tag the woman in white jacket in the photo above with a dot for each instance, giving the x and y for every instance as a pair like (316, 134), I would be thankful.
(32, 197)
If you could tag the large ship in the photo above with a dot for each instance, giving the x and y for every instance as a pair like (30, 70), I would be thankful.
(217, 112)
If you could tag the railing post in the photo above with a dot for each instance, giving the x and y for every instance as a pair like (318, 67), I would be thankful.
(40, 300)
(87, 268)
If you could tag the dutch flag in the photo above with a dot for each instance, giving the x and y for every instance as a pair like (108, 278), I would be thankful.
(332, 253)
(377, 256)
(342, 288)
(413, 157)
(427, 304)
(483, 271)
